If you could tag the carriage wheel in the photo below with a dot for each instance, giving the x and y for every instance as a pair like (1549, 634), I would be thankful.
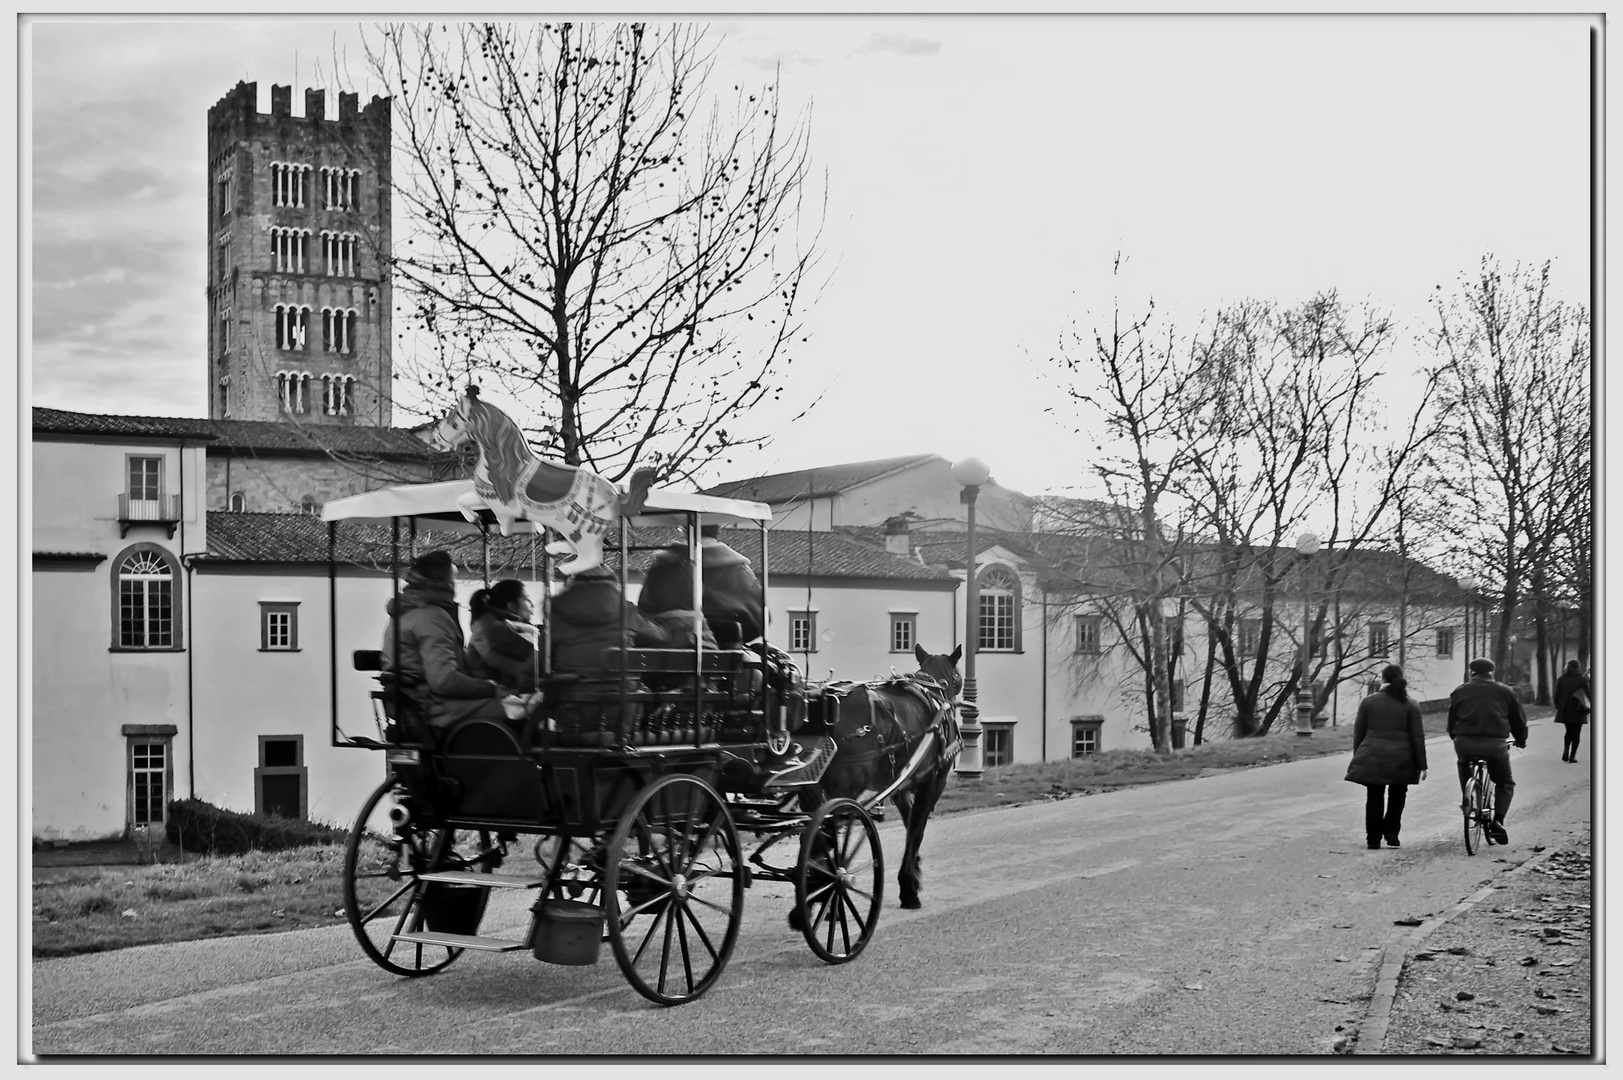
(382, 884)
(673, 858)
(840, 880)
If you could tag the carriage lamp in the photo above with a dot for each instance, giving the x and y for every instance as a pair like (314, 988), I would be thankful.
(1306, 545)
(970, 473)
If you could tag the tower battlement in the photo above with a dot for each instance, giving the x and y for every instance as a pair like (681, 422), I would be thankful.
(239, 108)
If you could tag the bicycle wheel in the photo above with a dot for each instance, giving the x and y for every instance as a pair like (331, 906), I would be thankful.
(1484, 805)
(1473, 816)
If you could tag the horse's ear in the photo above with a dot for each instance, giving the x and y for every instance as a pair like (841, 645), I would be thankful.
(918, 651)
(473, 390)
(956, 653)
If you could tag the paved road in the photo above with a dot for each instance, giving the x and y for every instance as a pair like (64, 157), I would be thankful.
(1238, 913)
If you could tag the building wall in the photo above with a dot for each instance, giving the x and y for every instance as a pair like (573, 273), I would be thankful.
(243, 144)
(240, 693)
(282, 484)
(76, 486)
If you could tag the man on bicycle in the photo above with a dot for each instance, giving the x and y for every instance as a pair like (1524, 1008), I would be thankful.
(1482, 714)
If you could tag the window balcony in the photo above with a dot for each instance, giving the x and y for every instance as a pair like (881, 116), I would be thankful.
(164, 510)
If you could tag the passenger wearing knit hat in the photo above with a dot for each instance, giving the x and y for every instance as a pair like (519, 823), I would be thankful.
(424, 637)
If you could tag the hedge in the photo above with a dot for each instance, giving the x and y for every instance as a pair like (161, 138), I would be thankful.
(195, 825)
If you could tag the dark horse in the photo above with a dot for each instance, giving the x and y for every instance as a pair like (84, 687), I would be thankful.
(880, 728)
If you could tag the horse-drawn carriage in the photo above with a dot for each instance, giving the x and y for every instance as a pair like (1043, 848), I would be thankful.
(635, 792)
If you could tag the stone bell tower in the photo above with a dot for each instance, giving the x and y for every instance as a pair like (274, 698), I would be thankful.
(298, 259)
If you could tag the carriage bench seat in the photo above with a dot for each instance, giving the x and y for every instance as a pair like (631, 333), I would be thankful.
(677, 661)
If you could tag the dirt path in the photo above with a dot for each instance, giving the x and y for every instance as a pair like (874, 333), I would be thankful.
(1510, 974)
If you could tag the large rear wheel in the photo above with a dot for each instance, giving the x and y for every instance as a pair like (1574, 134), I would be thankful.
(673, 858)
(383, 888)
(840, 880)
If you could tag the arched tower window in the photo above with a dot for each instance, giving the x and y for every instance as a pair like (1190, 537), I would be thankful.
(146, 611)
(999, 623)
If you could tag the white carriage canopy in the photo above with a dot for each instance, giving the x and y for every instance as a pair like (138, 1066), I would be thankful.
(454, 504)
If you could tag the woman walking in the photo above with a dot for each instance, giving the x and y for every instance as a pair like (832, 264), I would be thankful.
(1574, 700)
(1389, 754)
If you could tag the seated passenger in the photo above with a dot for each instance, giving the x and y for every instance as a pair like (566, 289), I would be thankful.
(429, 651)
(586, 624)
(731, 591)
(501, 639)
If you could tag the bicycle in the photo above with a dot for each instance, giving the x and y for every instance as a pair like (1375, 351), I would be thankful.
(1477, 806)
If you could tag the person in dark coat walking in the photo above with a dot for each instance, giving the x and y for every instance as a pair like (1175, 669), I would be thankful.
(1573, 708)
(1389, 754)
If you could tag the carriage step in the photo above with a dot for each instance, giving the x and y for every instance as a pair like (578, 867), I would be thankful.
(461, 941)
(493, 881)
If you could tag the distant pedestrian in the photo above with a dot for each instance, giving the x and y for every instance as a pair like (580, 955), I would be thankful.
(1389, 754)
(1574, 701)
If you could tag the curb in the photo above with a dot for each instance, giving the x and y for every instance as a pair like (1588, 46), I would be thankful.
(1372, 1032)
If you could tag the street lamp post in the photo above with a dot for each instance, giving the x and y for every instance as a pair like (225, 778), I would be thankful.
(1468, 584)
(1306, 545)
(970, 473)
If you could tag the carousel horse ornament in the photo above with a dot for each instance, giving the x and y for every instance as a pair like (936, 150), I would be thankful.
(577, 503)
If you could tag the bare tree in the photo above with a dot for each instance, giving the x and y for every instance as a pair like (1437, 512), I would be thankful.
(1298, 437)
(1133, 381)
(590, 231)
(1513, 464)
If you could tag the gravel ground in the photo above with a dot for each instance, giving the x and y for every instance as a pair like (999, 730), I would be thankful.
(1511, 975)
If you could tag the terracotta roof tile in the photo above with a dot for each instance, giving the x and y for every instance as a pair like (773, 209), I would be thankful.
(282, 436)
(302, 538)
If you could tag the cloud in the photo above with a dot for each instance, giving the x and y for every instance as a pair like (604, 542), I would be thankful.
(782, 58)
(900, 44)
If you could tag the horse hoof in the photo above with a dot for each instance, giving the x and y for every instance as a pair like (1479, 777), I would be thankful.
(795, 921)
(911, 902)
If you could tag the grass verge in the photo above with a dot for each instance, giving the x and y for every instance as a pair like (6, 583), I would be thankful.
(84, 909)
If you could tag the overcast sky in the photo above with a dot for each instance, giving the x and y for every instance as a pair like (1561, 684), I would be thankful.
(982, 171)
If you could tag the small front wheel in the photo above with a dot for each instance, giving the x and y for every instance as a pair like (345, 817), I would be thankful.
(840, 880)
(673, 857)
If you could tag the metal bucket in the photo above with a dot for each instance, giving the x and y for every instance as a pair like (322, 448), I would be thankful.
(566, 932)
(453, 909)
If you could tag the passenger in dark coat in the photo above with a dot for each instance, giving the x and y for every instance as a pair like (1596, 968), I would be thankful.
(1389, 754)
(586, 624)
(731, 591)
(501, 644)
(1570, 709)
(431, 654)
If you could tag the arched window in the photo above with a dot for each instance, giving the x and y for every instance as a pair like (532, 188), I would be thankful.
(999, 591)
(238, 502)
(146, 614)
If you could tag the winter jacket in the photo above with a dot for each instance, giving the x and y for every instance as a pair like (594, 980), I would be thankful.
(586, 625)
(497, 651)
(1566, 710)
(731, 591)
(431, 654)
(1389, 742)
(1481, 706)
